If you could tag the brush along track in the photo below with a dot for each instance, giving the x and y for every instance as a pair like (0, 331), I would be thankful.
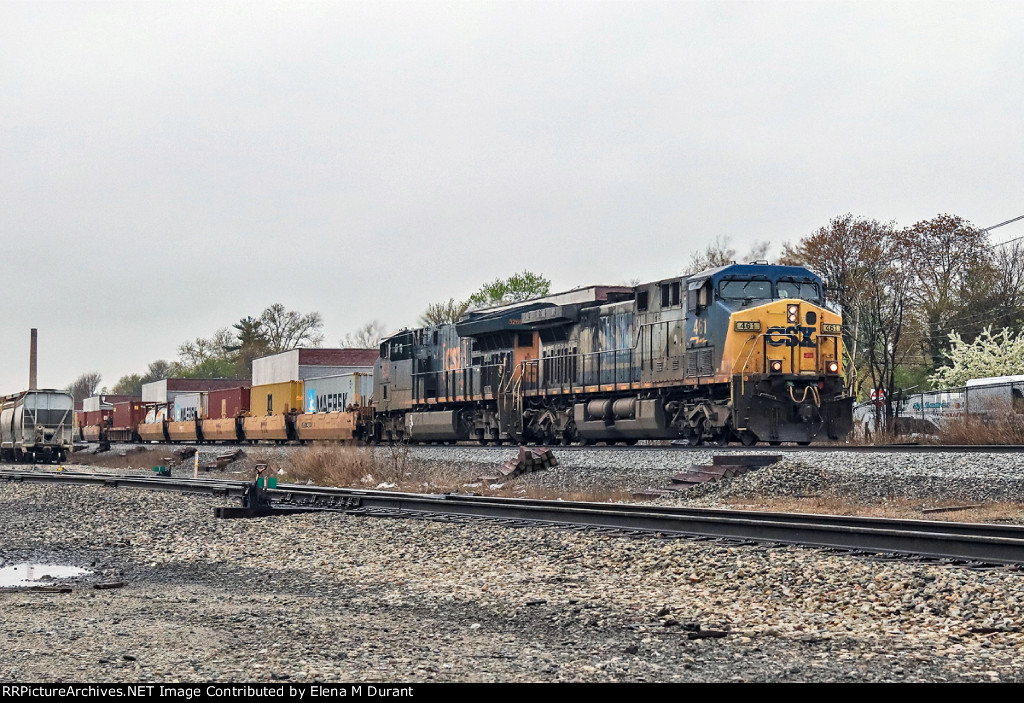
(976, 544)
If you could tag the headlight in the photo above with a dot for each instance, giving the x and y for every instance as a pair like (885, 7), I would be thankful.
(793, 313)
(775, 366)
(832, 367)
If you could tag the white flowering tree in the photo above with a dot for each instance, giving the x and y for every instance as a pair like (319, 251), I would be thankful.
(1001, 354)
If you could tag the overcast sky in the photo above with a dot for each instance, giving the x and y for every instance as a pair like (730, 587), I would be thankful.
(167, 168)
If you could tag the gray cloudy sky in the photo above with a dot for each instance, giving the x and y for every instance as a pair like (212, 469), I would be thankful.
(167, 168)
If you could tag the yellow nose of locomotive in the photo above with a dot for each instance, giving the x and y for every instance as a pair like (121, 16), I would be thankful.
(790, 337)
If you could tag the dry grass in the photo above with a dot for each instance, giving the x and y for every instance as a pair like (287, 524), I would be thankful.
(1004, 428)
(1007, 428)
(137, 457)
(897, 508)
(391, 467)
(347, 466)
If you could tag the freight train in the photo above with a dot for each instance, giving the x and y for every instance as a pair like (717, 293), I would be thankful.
(745, 352)
(36, 425)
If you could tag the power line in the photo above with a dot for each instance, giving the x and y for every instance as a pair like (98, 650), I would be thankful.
(1008, 241)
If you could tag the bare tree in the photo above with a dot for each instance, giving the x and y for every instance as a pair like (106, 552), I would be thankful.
(953, 272)
(884, 310)
(842, 252)
(289, 329)
(84, 386)
(219, 346)
(366, 337)
(718, 253)
(443, 313)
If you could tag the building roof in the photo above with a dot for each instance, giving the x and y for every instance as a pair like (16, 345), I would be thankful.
(337, 357)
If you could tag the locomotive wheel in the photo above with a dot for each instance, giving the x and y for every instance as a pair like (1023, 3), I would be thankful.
(804, 444)
(774, 442)
(747, 438)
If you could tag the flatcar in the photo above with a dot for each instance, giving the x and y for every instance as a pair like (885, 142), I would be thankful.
(36, 425)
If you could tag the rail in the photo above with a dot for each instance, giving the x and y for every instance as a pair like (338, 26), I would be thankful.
(972, 543)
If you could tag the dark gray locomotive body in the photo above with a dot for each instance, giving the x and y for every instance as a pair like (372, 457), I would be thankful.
(743, 352)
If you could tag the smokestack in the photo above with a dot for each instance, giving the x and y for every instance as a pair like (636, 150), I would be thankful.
(32, 362)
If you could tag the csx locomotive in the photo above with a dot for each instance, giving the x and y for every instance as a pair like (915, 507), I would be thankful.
(745, 352)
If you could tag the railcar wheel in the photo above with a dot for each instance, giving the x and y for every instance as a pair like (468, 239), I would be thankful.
(747, 438)
(774, 442)
(804, 444)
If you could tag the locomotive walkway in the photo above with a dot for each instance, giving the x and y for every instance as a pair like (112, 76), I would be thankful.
(963, 543)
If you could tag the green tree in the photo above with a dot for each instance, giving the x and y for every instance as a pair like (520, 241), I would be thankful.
(128, 385)
(514, 289)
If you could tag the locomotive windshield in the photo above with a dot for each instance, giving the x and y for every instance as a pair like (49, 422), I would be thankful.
(745, 289)
(805, 290)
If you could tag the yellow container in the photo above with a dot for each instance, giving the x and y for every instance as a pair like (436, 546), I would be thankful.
(275, 399)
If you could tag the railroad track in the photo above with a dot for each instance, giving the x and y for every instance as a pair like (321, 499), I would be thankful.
(860, 449)
(972, 544)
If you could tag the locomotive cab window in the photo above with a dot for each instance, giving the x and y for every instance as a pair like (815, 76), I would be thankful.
(698, 295)
(804, 290)
(524, 339)
(745, 289)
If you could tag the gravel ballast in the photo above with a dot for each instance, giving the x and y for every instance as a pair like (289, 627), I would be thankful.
(344, 598)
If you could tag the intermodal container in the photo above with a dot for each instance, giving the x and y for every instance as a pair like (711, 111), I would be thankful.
(329, 394)
(189, 406)
(129, 414)
(276, 399)
(228, 403)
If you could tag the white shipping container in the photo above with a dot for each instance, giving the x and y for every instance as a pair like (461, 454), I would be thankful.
(327, 394)
(154, 392)
(300, 364)
(189, 406)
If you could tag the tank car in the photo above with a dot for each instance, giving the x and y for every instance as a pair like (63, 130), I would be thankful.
(36, 425)
(745, 352)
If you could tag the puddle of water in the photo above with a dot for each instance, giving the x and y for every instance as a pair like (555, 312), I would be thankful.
(28, 574)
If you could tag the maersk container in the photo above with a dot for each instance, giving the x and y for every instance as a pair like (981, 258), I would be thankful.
(189, 406)
(329, 394)
(275, 399)
(228, 403)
